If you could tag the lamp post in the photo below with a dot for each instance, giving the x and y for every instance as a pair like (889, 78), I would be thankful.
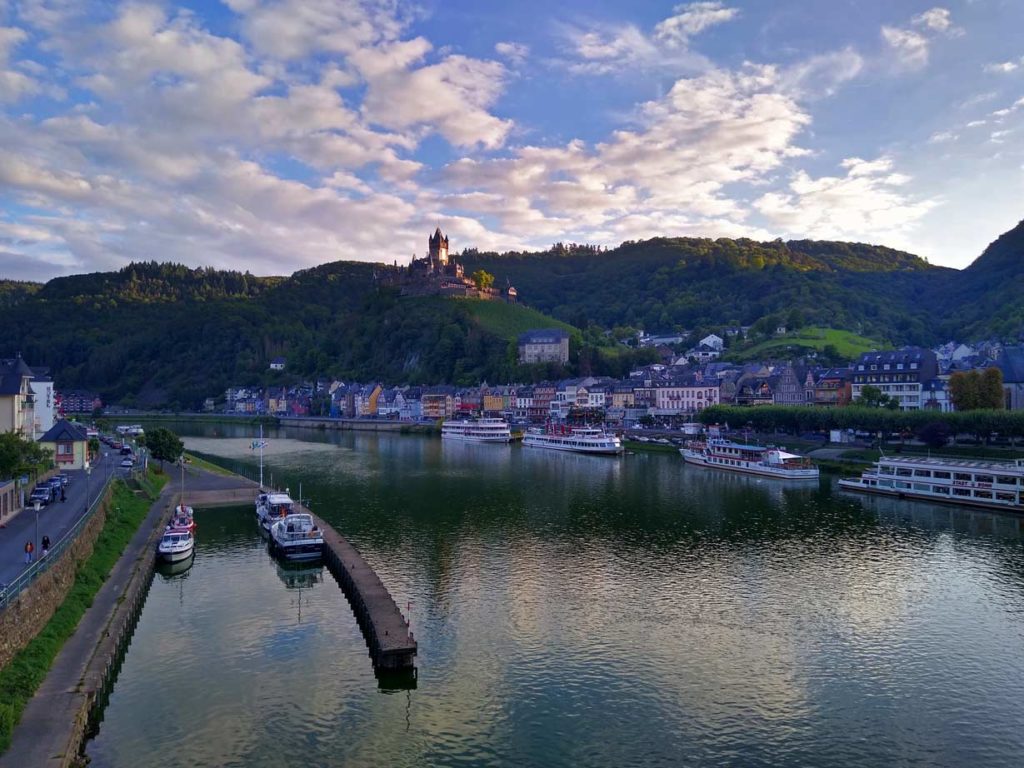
(88, 472)
(35, 506)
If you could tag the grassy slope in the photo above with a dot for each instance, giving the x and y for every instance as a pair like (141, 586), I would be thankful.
(849, 344)
(509, 320)
(20, 679)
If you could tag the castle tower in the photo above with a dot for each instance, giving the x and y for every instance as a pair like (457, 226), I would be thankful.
(438, 248)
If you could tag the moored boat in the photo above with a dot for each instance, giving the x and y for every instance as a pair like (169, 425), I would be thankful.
(183, 519)
(297, 537)
(976, 483)
(767, 461)
(175, 545)
(272, 506)
(478, 431)
(574, 439)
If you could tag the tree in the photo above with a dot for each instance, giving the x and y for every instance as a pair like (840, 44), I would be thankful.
(935, 434)
(165, 445)
(873, 397)
(483, 280)
(18, 454)
(990, 389)
(963, 390)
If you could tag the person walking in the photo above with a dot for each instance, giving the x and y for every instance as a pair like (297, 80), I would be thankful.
(46, 545)
(29, 549)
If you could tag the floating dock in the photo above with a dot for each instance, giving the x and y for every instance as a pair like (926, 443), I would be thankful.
(388, 636)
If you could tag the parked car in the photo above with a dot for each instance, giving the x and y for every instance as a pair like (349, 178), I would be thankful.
(64, 478)
(43, 495)
(127, 463)
(126, 451)
(56, 483)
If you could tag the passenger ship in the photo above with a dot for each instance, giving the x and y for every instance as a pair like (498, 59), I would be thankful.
(479, 431)
(750, 459)
(575, 439)
(992, 484)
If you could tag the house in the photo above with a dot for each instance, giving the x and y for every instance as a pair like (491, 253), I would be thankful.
(44, 408)
(69, 443)
(543, 396)
(79, 401)
(832, 388)
(1011, 363)
(438, 402)
(277, 364)
(713, 341)
(17, 402)
(11, 497)
(789, 387)
(684, 396)
(900, 374)
(494, 402)
(549, 345)
(410, 406)
(366, 400)
(702, 353)
(935, 396)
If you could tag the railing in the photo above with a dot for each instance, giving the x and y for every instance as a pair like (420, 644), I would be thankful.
(10, 591)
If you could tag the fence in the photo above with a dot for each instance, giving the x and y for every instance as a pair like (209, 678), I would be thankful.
(10, 591)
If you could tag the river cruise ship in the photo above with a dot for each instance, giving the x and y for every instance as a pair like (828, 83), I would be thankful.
(574, 439)
(749, 459)
(976, 483)
(479, 431)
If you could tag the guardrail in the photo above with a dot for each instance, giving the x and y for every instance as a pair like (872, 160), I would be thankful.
(10, 591)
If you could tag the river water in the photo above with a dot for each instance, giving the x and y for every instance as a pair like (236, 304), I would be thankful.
(579, 611)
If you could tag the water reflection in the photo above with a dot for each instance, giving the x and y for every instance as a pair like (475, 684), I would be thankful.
(576, 610)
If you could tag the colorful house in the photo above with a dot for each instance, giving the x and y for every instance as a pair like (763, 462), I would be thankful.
(69, 443)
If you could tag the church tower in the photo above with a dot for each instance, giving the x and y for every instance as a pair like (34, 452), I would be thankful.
(438, 248)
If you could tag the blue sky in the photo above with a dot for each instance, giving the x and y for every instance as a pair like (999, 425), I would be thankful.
(273, 135)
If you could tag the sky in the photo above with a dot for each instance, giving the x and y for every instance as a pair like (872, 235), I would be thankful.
(274, 135)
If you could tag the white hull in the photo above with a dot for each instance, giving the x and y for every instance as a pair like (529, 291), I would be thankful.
(859, 486)
(749, 467)
(176, 555)
(558, 443)
(476, 438)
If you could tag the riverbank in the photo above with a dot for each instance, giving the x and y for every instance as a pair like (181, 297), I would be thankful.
(48, 688)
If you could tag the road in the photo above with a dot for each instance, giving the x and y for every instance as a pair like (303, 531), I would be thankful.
(54, 519)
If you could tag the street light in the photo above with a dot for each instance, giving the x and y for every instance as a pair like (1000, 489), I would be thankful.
(35, 505)
(88, 472)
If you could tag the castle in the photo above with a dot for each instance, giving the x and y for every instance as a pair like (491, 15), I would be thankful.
(439, 273)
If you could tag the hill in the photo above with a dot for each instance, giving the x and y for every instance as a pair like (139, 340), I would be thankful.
(831, 341)
(13, 292)
(698, 283)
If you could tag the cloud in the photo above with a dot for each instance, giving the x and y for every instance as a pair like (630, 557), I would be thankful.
(13, 84)
(822, 75)
(691, 19)
(911, 46)
(869, 198)
(1005, 67)
(516, 53)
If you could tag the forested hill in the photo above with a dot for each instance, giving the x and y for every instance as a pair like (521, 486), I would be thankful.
(164, 333)
(692, 283)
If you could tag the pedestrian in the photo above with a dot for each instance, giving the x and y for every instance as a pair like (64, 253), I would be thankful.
(62, 496)
(46, 545)
(29, 548)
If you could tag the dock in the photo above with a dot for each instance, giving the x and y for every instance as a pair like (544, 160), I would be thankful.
(389, 639)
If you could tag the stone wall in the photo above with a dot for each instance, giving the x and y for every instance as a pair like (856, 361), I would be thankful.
(29, 612)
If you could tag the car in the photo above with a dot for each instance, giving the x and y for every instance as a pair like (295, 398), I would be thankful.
(43, 495)
(127, 463)
(64, 478)
(126, 451)
(55, 483)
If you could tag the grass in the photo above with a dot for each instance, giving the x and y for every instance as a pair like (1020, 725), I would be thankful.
(509, 320)
(848, 344)
(27, 670)
(633, 445)
(209, 466)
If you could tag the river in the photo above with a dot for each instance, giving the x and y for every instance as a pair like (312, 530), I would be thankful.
(579, 611)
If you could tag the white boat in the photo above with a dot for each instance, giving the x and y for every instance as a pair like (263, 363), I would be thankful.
(749, 459)
(176, 544)
(297, 537)
(272, 506)
(479, 431)
(574, 439)
(975, 483)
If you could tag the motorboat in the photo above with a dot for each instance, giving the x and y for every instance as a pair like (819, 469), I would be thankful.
(175, 545)
(297, 537)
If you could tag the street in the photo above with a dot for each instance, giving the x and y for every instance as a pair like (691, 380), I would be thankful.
(54, 519)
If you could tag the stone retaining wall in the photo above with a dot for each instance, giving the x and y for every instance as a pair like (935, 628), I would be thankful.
(29, 612)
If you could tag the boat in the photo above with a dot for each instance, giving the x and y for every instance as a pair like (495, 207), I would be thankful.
(970, 482)
(767, 461)
(478, 431)
(271, 506)
(183, 519)
(574, 439)
(297, 537)
(176, 544)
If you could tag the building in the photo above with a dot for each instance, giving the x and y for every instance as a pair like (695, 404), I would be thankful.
(277, 364)
(17, 403)
(79, 401)
(44, 408)
(438, 402)
(789, 387)
(832, 388)
(69, 443)
(935, 396)
(1011, 363)
(900, 374)
(549, 345)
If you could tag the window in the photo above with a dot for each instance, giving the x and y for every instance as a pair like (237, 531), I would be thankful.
(922, 473)
(885, 470)
(941, 475)
(961, 476)
(941, 489)
(903, 472)
(984, 479)
(983, 494)
(1006, 497)
(961, 491)
(1005, 480)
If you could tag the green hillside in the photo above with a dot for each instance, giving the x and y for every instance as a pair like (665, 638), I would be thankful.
(844, 344)
(510, 320)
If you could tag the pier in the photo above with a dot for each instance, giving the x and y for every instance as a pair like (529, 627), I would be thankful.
(389, 639)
